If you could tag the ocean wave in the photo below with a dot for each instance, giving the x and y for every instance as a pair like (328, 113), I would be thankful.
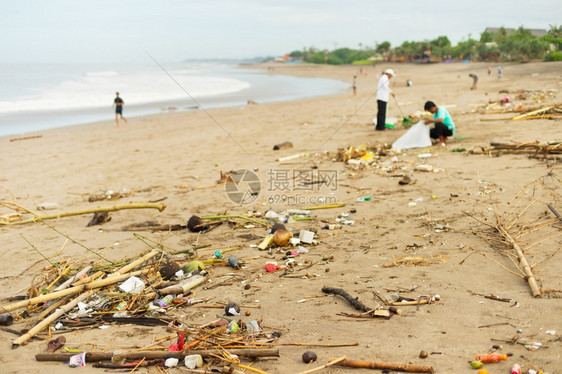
(97, 90)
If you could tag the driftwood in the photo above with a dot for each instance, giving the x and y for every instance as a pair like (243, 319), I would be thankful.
(332, 362)
(149, 355)
(53, 317)
(408, 368)
(165, 227)
(354, 302)
(535, 289)
(184, 286)
(99, 218)
(69, 291)
(38, 217)
(26, 138)
(107, 365)
(76, 276)
(284, 145)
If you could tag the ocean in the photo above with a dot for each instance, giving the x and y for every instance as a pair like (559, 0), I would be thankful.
(35, 97)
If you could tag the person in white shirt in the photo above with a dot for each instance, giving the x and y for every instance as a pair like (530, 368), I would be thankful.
(383, 93)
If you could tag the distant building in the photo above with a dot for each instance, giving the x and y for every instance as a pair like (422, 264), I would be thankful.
(509, 30)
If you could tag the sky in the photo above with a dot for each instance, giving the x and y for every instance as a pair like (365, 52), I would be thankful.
(110, 31)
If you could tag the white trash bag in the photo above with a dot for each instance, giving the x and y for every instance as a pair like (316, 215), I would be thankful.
(416, 137)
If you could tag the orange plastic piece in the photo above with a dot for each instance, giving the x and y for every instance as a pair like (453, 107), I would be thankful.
(490, 358)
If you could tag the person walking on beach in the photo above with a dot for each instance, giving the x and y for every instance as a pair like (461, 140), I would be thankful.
(474, 80)
(118, 102)
(383, 92)
(354, 85)
(500, 71)
(444, 125)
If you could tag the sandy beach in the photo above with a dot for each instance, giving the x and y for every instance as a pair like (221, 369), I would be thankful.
(169, 158)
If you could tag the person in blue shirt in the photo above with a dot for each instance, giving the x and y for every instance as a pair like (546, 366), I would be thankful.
(444, 125)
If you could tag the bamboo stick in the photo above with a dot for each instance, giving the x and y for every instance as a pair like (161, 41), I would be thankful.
(54, 306)
(53, 317)
(521, 116)
(69, 291)
(132, 355)
(137, 262)
(132, 205)
(73, 278)
(332, 362)
(536, 291)
(386, 365)
(89, 279)
(184, 286)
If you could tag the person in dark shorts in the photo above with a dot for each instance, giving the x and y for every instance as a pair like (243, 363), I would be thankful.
(474, 80)
(118, 102)
(444, 125)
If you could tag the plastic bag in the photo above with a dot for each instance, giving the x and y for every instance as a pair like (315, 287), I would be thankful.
(416, 137)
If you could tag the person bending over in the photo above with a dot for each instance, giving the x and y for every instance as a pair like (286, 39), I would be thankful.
(444, 125)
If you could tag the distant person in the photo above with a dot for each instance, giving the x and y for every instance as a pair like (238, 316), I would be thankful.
(500, 71)
(474, 80)
(118, 102)
(354, 85)
(444, 125)
(489, 70)
(383, 93)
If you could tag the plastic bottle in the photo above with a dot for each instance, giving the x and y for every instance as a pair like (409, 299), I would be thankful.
(516, 369)
(494, 357)
(365, 198)
(165, 301)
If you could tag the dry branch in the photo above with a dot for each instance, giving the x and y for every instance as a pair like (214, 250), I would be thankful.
(113, 208)
(104, 356)
(408, 368)
(354, 302)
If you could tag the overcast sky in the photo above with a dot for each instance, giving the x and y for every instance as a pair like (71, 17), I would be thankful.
(175, 30)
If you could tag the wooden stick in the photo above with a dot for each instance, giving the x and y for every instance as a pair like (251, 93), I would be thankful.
(104, 356)
(54, 306)
(332, 362)
(408, 368)
(329, 206)
(89, 279)
(237, 216)
(133, 205)
(69, 291)
(53, 317)
(536, 291)
(134, 264)
(521, 116)
(73, 278)
(26, 138)
(354, 302)
(312, 344)
(184, 286)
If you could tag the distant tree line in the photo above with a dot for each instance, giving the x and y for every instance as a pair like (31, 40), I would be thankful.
(520, 45)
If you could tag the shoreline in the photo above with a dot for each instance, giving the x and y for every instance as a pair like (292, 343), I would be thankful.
(262, 90)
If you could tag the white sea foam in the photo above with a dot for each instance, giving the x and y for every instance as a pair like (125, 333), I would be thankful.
(97, 90)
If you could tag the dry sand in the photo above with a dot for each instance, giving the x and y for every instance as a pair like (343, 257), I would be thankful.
(176, 152)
